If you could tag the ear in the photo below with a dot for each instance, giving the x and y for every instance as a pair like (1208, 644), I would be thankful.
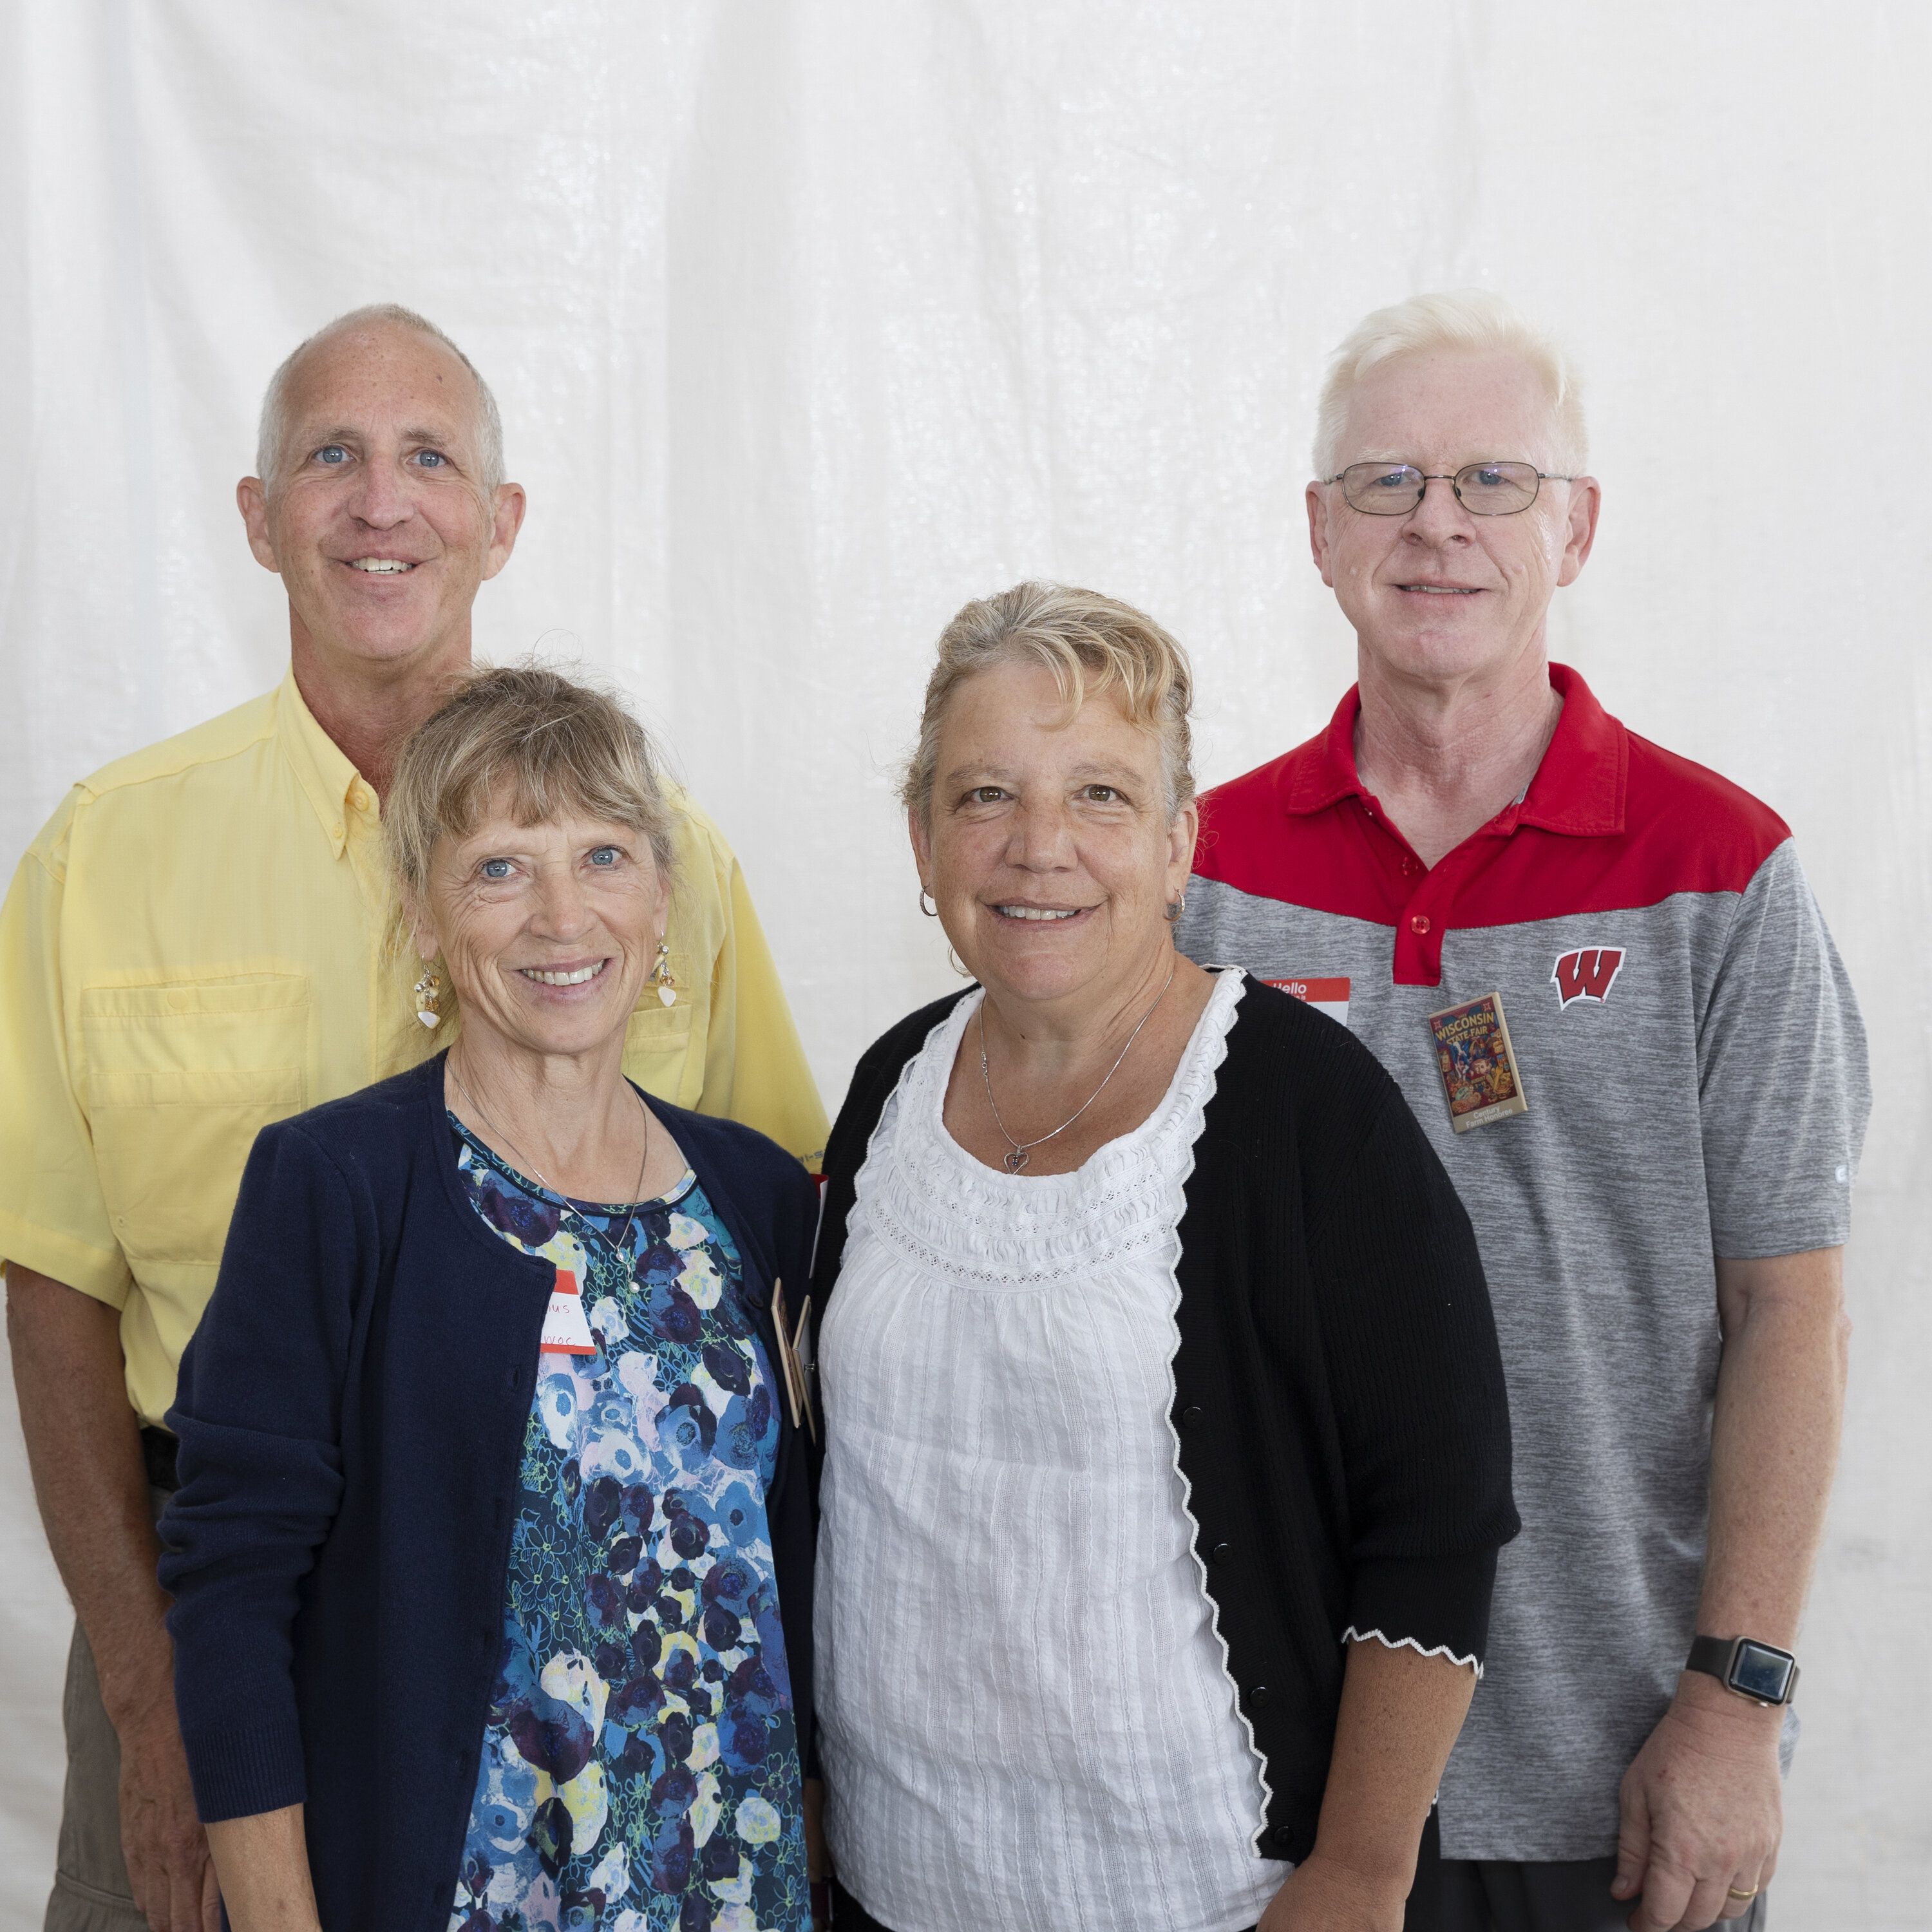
(506, 519)
(251, 498)
(421, 930)
(1182, 838)
(921, 835)
(1586, 500)
(1317, 530)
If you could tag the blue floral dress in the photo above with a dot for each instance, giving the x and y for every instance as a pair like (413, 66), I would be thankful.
(641, 1765)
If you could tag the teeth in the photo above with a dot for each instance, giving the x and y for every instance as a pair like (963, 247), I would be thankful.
(1440, 589)
(1038, 912)
(381, 566)
(576, 979)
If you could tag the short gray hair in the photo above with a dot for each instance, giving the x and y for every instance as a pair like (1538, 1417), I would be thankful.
(1090, 644)
(271, 435)
(1470, 320)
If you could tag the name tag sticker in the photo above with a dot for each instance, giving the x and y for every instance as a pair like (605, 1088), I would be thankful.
(1327, 996)
(1477, 1064)
(565, 1331)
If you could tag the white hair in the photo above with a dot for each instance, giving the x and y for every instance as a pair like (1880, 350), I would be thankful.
(1470, 321)
(272, 433)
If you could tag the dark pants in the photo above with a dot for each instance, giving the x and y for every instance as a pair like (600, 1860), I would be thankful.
(849, 1915)
(1496, 1895)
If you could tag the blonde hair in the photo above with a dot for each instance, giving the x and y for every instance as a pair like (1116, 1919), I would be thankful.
(564, 748)
(272, 433)
(1471, 321)
(1090, 644)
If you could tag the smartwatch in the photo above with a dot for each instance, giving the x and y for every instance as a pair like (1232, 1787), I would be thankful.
(1761, 1672)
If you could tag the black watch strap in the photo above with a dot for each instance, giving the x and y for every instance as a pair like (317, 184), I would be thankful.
(1761, 1672)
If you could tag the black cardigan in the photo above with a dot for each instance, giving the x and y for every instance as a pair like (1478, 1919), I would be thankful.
(1338, 1398)
(351, 1412)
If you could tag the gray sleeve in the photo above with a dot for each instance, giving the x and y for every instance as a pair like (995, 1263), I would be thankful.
(1783, 1082)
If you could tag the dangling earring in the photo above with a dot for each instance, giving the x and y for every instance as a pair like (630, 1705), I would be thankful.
(661, 973)
(952, 960)
(1179, 907)
(932, 912)
(427, 993)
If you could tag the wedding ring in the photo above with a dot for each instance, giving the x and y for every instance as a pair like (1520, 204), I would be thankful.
(1735, 1893)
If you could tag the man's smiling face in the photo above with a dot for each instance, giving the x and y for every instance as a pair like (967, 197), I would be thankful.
(1442, 593)
(379, 521)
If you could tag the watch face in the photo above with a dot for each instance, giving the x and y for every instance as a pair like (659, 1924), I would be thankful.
(1762, 1672)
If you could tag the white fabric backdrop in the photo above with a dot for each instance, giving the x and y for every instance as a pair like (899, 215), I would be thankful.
(810, 321)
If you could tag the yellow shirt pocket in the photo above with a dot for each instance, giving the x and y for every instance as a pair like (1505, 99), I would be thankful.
(181, 1078)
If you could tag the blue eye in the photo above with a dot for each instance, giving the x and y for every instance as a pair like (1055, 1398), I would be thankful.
(606, 855)
(431, 459)
(495, 868)
(332, 453)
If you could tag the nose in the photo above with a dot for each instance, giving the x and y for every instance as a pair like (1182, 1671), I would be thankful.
(381, 499)
(562, 907)
(1041, 840)
(1440, 518)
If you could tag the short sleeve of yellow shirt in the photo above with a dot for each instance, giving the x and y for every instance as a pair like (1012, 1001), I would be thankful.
(203, 940)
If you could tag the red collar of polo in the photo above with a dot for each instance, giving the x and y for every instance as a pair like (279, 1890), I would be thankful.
(1578, 788)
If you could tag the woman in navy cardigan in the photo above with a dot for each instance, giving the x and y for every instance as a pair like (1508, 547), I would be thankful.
(492, 1554)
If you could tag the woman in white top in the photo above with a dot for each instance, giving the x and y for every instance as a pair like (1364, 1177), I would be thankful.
(1167, 1453)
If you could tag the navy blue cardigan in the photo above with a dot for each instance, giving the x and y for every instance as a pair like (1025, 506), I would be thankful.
(351, 1413)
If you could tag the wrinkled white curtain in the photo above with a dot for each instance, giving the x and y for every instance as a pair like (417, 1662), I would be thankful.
(810, 320)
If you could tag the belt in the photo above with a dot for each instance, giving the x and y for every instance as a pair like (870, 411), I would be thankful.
(158, 1452)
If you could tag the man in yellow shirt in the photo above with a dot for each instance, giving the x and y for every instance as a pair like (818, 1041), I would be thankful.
(201, 941)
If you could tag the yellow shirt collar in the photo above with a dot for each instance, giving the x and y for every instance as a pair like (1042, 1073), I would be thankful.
(333, 786)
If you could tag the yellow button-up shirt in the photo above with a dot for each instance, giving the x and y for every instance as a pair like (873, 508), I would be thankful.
(204, 939)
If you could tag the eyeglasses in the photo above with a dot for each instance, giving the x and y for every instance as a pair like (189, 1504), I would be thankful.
(1483, 489)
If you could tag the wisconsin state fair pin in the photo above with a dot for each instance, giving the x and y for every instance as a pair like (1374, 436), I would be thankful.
(565, 1332)
(1477, 1064)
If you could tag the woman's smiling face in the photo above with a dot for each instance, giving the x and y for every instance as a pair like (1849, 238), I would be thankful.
(1049, 851)
(548, 931)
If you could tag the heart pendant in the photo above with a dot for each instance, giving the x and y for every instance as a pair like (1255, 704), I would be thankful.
(1016, 1160)
(668, 994)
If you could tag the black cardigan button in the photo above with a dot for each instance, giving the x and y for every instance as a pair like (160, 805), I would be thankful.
(1283, 1835)
(1258, 1697)
(1220, 1553)
(1190, 1415)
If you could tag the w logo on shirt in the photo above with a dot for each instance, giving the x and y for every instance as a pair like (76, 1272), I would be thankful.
(1587, 973)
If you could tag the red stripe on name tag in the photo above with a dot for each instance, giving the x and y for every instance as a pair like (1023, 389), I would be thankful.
(1321, 992)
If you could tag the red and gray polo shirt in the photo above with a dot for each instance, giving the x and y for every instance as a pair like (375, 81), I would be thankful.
(1694, 1064)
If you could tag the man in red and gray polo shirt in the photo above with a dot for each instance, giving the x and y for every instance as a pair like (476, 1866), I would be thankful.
(1597, 973)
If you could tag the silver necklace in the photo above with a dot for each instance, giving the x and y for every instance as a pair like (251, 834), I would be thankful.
(617, 1247)
(1017, 1158)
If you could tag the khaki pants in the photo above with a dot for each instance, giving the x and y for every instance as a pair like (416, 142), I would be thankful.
(91, 1890)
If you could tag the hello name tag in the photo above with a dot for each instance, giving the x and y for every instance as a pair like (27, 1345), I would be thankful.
(566, 1330)
(1329, 996)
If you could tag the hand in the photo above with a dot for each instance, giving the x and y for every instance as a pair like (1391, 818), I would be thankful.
(1703, 1810)
(1321, 1895)
(168, 1870)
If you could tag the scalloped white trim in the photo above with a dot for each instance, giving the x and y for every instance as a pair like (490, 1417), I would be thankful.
(1472, 1662)
(1235, 980)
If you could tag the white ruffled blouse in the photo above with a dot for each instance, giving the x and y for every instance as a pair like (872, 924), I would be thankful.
(1028, 1721)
